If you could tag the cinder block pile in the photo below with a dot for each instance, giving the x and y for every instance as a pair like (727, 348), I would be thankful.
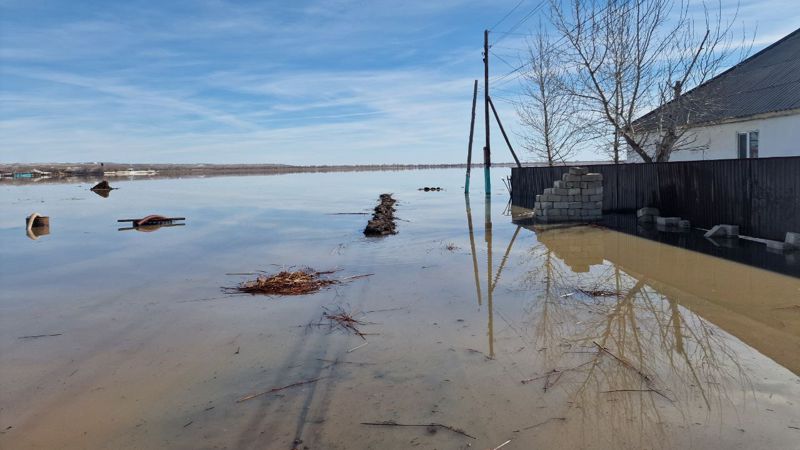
(577, 197)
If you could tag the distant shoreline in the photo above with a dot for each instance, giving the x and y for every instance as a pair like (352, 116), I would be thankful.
(19, 173)
(46, 173)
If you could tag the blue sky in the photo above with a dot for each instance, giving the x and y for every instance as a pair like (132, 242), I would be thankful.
(294, 82)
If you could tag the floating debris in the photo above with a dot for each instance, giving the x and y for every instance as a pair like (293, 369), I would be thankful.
(430, 189)
(382, 222)
(341, 319)
(151, 223)
(300, 282)
(299, 383)
(102, 186)
(429, 426)
(37, 225)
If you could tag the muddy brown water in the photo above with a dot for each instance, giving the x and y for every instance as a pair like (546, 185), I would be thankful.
(147, 352)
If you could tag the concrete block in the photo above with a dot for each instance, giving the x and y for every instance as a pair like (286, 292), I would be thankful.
(778, 246)
(592, 177)
(572, 184)
(592, 191)
(573, 212)
(578, 170)
(538, 197)
(793, 240)
(561, 205)
(560, 184)
(545, 205)
(575, 205)
(723, 231)
(647, 212)
(548, 190)
(593, 212)
(560, 191)
(569, 177)
(668, 221)
(596, 198)
(591, 184)
(574, 191)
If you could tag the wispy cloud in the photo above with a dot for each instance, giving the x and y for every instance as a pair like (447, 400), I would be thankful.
(319, 81)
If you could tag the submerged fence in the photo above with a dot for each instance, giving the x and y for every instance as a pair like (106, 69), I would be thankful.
(762, 196)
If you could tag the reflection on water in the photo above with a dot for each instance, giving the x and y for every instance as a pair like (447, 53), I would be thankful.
(574, 337)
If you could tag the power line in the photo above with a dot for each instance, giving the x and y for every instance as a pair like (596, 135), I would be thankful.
(519, 23)
(501, 59)
(507, 14)
(499, 80)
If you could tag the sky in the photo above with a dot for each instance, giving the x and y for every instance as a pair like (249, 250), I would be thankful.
(288, 82)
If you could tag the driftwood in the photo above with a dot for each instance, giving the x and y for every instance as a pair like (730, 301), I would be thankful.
(391, 423)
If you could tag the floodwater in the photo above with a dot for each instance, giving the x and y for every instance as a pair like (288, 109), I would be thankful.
(567, 338)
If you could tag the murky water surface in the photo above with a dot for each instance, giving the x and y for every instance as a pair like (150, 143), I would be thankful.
(561, 338)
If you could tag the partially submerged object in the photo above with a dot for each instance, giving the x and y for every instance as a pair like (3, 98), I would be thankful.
(37, 225)
(382, 222)
(726, 231)
(151, 223)
(102, 189)
(299, 282)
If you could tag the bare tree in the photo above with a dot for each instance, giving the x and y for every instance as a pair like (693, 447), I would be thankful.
(548, 110)
(630, 56)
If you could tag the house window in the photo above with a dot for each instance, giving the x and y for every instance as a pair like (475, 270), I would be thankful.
(747, 144)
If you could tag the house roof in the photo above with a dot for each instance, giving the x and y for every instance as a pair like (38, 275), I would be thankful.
(766, 82)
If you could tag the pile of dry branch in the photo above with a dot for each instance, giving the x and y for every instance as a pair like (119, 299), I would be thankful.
(382, 222)
(300, 282)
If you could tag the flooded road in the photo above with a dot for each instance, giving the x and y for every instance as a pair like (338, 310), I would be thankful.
(567, 338)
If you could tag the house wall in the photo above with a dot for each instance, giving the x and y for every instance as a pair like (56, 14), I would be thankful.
(778, 136)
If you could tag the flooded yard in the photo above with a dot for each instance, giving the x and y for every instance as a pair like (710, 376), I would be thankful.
(471, 329)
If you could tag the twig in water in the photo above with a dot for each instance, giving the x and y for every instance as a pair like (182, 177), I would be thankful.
(190, 422)
(299, 383)
(644, 376)
(356, 348)
(540, 423)
(336, 361)
(502, 445)
(391, 423)
(628, 390)
(37, 336)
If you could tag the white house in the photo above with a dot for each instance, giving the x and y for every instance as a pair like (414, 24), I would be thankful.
(752, 110)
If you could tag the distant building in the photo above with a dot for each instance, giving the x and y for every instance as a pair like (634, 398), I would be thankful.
(752, 110)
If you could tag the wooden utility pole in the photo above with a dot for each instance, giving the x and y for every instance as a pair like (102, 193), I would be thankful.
(503, 130)
(487, 150)
(471, 134)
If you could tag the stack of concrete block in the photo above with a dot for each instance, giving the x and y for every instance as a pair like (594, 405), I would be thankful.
(577, 197)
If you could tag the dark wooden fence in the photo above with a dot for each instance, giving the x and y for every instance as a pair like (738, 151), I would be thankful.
(762, 196)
